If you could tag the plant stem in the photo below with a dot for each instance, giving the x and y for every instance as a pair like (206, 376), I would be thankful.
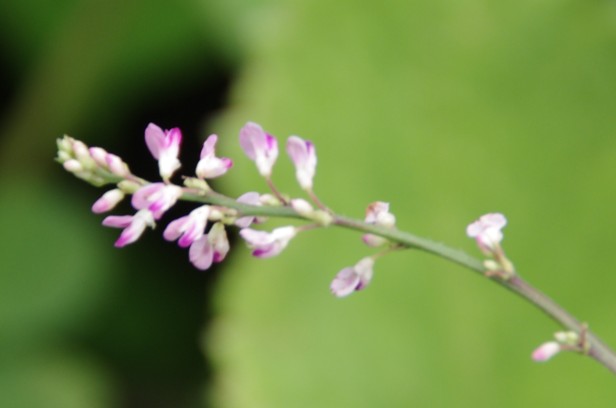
(596, 348)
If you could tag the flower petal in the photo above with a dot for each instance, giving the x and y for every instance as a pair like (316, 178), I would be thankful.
(201, 253)
(345, 282)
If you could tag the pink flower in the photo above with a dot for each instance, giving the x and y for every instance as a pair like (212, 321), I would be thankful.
(353, 279)
(211, 166)
(165, 147)
(188, 228)
(156, 197)
(209, 248)
(304, 157)
(108, 201)
(378, 213)
(133, 225)
(546, 351)
(260, 147)
(266, 244)
(487, 231)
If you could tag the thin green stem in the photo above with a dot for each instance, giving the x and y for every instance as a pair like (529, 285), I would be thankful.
(596, 348)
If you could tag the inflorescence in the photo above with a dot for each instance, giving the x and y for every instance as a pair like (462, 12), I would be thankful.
(204, 230)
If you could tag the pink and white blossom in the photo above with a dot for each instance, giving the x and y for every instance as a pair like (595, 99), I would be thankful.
(209, 165)
(487, 231)
(188, 228)
(268, 244)
(209, 248)
(133, 225)
(156, 197)
(304, 157)
(108, 201)
(165, 147)
(352, 279)
(546, 351)
(259, 146)
(378, 213)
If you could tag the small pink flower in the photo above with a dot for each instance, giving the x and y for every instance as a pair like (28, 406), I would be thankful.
(108, 201)
(304, 157)
(268, 244)
(209, 248)
(487, 231)
(546, 351)
(156, 197)
(354, 278)
(211, 166)
(260, 147)
(188, 228)
(378, 213)
(133, 225)
(165, 147)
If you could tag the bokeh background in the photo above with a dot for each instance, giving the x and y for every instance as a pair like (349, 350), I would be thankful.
(446, 109)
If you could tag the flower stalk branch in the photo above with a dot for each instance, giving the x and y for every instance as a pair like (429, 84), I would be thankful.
(596, 348)
(203, 231)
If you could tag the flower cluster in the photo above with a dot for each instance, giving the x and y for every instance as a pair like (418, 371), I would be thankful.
(203, 230)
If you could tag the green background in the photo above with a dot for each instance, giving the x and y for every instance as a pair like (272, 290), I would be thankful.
(445, 109)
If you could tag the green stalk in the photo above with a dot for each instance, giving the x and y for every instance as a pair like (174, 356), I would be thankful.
(595, 348)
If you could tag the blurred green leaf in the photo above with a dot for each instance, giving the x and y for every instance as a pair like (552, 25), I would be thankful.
(52, 278)
(55, 379)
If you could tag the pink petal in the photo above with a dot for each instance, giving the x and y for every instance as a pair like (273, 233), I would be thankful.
(345, 282)
(250, 135)
(118, 221)
(304, 158)
(154, 139)
(201, 253)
